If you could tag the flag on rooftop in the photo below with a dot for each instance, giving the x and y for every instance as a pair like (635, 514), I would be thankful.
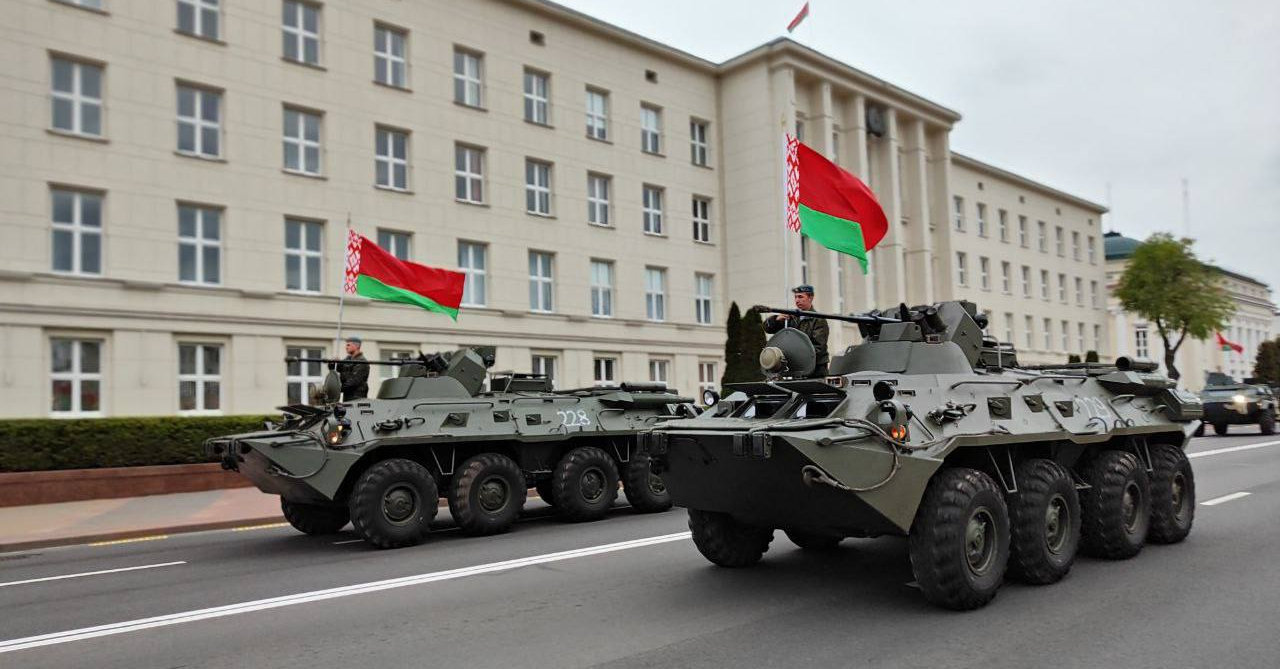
(378, 275)
(795, 23)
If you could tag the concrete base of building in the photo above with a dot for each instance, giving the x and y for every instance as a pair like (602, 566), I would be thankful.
(73, 485)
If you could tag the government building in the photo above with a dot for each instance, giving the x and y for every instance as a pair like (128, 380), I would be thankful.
(178, 177)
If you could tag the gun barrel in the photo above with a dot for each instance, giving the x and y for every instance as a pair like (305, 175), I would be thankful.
(294, 358)
(856, 318)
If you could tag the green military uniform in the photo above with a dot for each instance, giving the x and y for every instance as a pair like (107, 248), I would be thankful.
(355, 378)
(815, 328)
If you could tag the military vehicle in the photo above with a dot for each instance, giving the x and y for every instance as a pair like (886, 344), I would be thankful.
(929, 430)
(433, 430)
(1227, 402)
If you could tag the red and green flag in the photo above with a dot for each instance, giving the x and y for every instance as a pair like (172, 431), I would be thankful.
(378, 275)
(1228, 345)
(831, 206)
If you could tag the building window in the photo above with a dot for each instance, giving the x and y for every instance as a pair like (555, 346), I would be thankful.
(1062, 288)
(1008, 327)
(603, 371)
(804, 259)
(707, 379)
(301, 141)
(701, 219)
(698, 142)
(655, 293)
(598, 186)
(1093, 294)
(799, 129)
(198, 17)
(959, 212)
(602, 288)
(391, 161)
(1029, 336)
(545, 366)
(1079, 291)
(537, 97)
(301, 28)
(302, 255)
(300, 375)
(1044, 284)
(77, 97)
(395, 243)
(597, 114)
(1003, 221)
(540, 282)
(1093, 252)
(1026, 281)
(76, 377)
(835, 145)
(1005, 278)
(1048, 334)
(658, 370)
(962, 274)
(1140, 348)
(702, 298)
(537, 187)
(982, 220)
(1080, 337)
(199, 244)
(1059, 241)
(650, 129)
(390, 62)
(91, 4)
(652, 196)
(1097, 338)
(199, 121)
(468, 78)
(1075, 245)
(468, 174)
(1042, 237)
(1023, 239)
(473, 262)
(984, 272)
(77, 231)
(199, 378)
(1066, 335)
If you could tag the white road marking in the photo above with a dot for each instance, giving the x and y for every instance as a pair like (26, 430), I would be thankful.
(320, 595)
(1232, 449)
(1225, 498)
(91, 573)
(348, 541)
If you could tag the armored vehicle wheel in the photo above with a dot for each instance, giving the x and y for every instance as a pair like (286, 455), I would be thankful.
(487, 493)
(585, 484)
(1173, 495)
(1044, 523)
(1199, 431)
(959, 542)
(393, 502)
(725, 541)
(1116, 508)
(1267, 422)
(644, 490)
(1219, 429)
(812, 541)
(543, 487)
(314, 518)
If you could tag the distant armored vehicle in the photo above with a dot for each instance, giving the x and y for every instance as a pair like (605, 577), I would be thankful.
(928, 430)
(433, 431)
(1227, 402)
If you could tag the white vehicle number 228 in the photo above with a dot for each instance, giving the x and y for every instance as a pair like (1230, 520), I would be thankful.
(571, 418)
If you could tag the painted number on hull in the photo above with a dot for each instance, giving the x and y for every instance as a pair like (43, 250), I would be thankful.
(573, 418)
(1095, 407)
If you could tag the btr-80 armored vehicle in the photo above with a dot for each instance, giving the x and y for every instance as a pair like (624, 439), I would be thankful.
(929, 430)
(433, 431)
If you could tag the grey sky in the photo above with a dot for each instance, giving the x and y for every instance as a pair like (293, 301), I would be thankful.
(1073, 94)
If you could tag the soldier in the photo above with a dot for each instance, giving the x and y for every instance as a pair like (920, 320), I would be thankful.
(354, 375)
(815, 328)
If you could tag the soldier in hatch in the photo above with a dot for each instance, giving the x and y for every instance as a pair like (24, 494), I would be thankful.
(353, 372)
(815, 328)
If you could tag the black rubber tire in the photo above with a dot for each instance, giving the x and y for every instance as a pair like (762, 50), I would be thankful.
(644, 490)
(943, 545)
(1173, 495)
(1105, 531)
(1199, 431)
(413, 506)
(1267, 422)
(726, 542)
(585, 484)
(544, 486)
(1219, 429)
(813, 541)
(486, 494)
(1044, 523)
(314, 519)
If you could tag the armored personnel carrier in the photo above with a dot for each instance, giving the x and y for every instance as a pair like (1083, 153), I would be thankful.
(929, 430)
(434, 431)
(1227, 402)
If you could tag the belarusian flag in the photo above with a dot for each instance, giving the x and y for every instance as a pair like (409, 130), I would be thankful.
(378, 275)
(831, 206)
(1227, 345)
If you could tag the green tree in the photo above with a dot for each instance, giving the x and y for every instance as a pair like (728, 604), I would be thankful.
(1091, 356)
(1166, 284)
(1267, 366)
(1073, 358)
(753, 339)
(732, 346)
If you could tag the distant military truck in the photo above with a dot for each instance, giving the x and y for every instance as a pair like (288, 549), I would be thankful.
(433, 431)
(1228, 402)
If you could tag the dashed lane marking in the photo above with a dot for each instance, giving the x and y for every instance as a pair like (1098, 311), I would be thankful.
(1232, 449)
(250, 528)
(91, 573)
(348, 541)
(134, 540)
(127, 626)
(1225, 498)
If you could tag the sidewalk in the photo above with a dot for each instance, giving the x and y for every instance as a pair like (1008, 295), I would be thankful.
(43, 525)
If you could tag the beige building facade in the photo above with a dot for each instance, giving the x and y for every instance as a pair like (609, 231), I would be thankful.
(177, 186)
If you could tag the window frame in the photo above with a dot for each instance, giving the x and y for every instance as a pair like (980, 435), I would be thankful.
(298, 34)
(652, 215)
(699, 142)
(474, 276)
(655, 297)
(651, 136)
(532, 100)
(303, 254)
(198, 9)
(200, 378)
(957, 206)
(200, 242)
(542, 289)
(538, 187)
(198, 122)
(473, 180)
(76, 97)
(303, 379)
(703, 300)
(389, 159)
(962, 268)
(981, 217)
(659, 370)
(76, 376)
(544, 364)
(465, 81)
(604, 370)
(602, 294)
(599, 207)
(78, 231)
(391, 240)
(301, 143)
(701, 219)
(707, 379)
(384, 58)
(597, 120)
(984, 273)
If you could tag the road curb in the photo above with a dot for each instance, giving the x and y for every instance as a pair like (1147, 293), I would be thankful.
(138, 534)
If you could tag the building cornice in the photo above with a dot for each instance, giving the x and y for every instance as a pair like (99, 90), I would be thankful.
(986, 168)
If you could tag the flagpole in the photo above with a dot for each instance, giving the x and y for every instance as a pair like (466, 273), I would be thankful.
(342, 286)
(786, 229)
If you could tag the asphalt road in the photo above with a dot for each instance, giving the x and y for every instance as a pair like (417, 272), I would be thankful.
(631, 591)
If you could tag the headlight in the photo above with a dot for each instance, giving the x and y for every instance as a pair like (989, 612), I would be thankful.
(338, 433)
(710, 398)
(1239, 399)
